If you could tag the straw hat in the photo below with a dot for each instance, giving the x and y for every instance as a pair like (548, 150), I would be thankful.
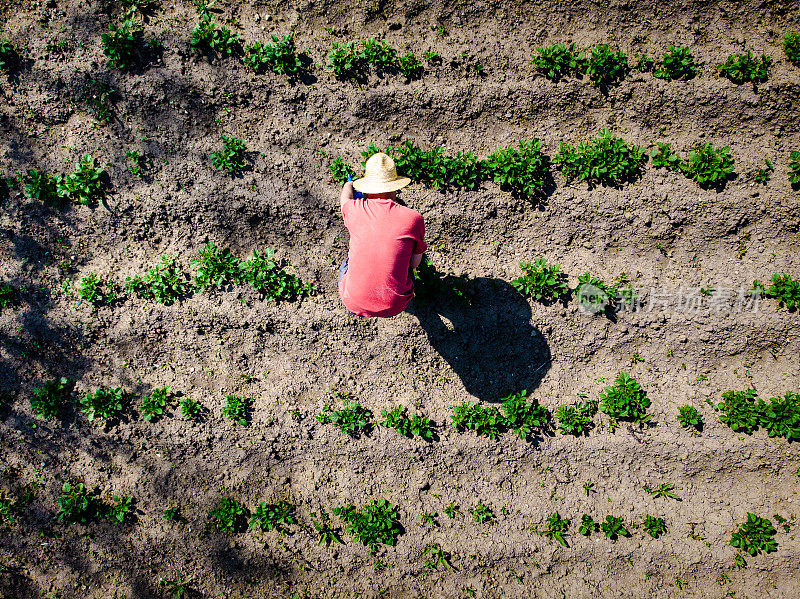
(380, 176)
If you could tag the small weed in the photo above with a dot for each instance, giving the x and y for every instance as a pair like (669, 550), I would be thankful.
(588, 525)
(542, 281)
(663, 157)
(663, 490)
(103, 403)
(410, 66)
(231, 157)
(614, 527)
(165, 282)
(689, 416)
(438, 557)
(644, 62)
(179, 587)
(707, 165)
(523, 416)
(138, 161)
(190, 407)
(279, 56)
(215, 268)
(96, 290)
(7, 509)
(119, 44)
(791, 48)
(625, 400)
(8, 56)
(8, 295)
(237, 408)
(273, 516)
(119, 509)
(48, 399)
(755, 535)
(173, 514)
(655, 527)
(588, 488)
(428, 518)
(604, 65)
(327, 534)
(97, 96)
(486, 422)
(153, 405)
(605, 159)
(75, 504)
(451, 510)
(432, 58)
(417, 425)
(524, 168)
(482, 513)
(557, 61)
(763, 175)
(228, 515)
(739, 561)
(677, 63)
(352, 419)
(376, 523)
(741, 68)
(576, 418)
(556, 527)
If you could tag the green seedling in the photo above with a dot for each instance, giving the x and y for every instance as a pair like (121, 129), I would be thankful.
(739, 410)
(605, 65)
(190, 407)
(655, 527)
(8, 56)
(644, 63)
(153, 405)
(353, 419)
(7, 509)
(605, 159)
(119, 509)
(438, 557)
(663, 157)
(377, 54)
(556, 527)
(663, 490)
(42, 187)
(275, 516)
(741, 68)
(231, 157)
(524, 168)
(103, 403)
(677, 63)
(269, 277)
(588, 488)
(576, 418)
(707, 165)
(138, 161)
(486, 422)
(96, 290)
(279, 56)
(588, 525)
(755, 535)
(341, 171)
(791, 48)
(327, 534)
(75, 504)
(739, 561)
(432, 58)
(173, 514)
(558, 60)
(417, 425)
(375, 524)
(48, 400)
(523, 416)
(482, 513)
(781, 416)
(689, 416)
(451, 510)
(428, 518)
(410, 66)
(8, 295)
(119, 44)
(97, 96)
(207, 36)
(164, 283)
(763, 175)
(625, 400)
(179, 587)
(542, 281)
(228, 515)
(614, 527)
(345, 61)
(237, 408)
(215, 268)
(85, 184)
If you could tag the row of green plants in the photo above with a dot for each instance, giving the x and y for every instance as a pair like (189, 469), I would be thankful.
(605, 159)
(85, 185)
(745, 412)
(214, 268)
(354, 60)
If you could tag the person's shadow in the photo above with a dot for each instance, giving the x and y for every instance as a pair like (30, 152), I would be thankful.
(482, 327)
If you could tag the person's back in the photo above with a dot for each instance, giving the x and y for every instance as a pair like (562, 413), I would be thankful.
(386, 243)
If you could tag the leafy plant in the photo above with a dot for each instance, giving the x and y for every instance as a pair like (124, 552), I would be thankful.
(41, 186)
(208, 36)
(427, 518)
(279, 56)
(588, 525)
(739, 410)
(663, 490)
(97, 95)
(677, 63)
(120, 508)
(228, 515)
(604, 65)
(644, 62)
(523, 416)
(625, 400)
(190, 407)
(179, 587)
(352, 419)
(486, 422)
(604, 159)
(165, 282)
(741, 68)
(689, 416)
(376, 523)
(574, 419)
(119, 44)
(784, 289)
(75, 504)
(215, 268)
(614, 527)
(438, 557)
(791, 48)
(410, 65)
(653, 526)
(173, 514)
(482, 513)
(707, 165)
(8, 55)
(96, 290)
(273, 516)
(755, 535)
(237, 408)
(8, 295)
(340, 170)
(231, 157)
(85, 184)
(557, 61)
(345, 61)
(663, 157)
(542, 281)
(451, 510)
(103, 403)
(781, 416)
(377, 53)
(153, 405)
(269, 277)
(764, 174)
(327, 534)
(556, 527)
(417, 425)
(524, 168)
(138, 163)
(7, 510)
(48, 399)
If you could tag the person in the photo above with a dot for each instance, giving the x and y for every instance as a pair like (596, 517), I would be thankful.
(387, 241)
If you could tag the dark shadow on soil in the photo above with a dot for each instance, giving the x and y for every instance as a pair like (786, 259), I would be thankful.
(489, 342)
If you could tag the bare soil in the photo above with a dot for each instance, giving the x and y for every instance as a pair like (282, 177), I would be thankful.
(662, 230)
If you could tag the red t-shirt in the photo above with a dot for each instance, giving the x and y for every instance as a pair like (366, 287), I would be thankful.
(383, 235)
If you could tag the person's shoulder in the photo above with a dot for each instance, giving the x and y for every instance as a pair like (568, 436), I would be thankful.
(409, 213)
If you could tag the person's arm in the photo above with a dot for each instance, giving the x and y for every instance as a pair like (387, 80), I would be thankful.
(347, 193)
(416, 260)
